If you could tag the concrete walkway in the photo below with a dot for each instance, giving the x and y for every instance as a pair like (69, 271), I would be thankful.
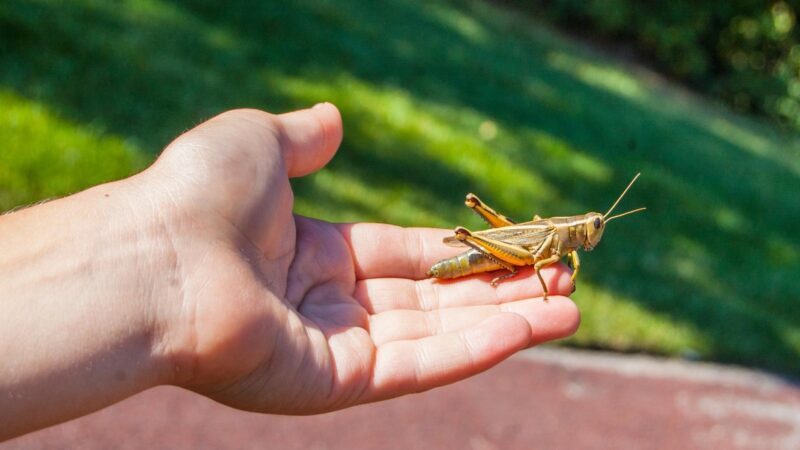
(543, 398)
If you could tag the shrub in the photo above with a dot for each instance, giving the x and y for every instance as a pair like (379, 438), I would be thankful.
(744, 51)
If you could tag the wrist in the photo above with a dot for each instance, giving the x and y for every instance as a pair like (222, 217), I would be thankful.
(79, 323)
(136, 241)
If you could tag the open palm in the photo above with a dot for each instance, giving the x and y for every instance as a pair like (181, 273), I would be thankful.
(279, 313)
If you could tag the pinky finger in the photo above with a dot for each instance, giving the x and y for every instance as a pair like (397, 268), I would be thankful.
(404, 367)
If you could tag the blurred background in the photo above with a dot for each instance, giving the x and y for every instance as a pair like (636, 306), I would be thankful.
(542, 107)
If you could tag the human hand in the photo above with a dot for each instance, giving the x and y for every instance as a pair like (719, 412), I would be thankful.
(196, 273)
(272, 312)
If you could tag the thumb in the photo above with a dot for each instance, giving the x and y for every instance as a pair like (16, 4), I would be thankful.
(310, 138)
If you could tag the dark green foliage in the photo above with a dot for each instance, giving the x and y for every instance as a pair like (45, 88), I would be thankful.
(744, 51)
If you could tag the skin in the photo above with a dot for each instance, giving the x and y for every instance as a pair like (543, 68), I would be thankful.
(196, 273)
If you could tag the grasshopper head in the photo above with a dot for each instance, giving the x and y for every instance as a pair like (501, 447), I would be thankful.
(594, 225)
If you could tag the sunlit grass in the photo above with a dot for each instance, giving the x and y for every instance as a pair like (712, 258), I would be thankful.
(606, 313)
(438, 100)
(394, 121)
(44, 156)
(605, 76)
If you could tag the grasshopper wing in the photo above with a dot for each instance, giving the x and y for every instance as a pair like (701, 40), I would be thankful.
(528, 235)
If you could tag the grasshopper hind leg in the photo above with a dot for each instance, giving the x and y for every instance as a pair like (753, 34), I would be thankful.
(465, 236)
(492, 217)
(507, 256)
(505, 276)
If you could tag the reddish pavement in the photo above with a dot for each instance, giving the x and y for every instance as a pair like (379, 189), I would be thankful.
(543, 398)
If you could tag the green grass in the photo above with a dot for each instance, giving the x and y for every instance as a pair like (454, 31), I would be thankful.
(439, 99)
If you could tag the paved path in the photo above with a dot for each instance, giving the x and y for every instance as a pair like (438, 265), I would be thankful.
(543, 398)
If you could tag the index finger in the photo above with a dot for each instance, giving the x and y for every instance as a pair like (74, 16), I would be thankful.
(389, 251)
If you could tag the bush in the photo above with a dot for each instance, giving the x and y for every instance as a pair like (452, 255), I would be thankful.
(744, 51)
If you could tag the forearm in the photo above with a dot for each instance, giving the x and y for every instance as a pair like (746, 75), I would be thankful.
(78, 328)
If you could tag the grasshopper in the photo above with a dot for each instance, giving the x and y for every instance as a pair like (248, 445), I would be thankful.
(508, 245)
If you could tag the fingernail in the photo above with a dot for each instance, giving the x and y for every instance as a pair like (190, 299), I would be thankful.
(319, 105)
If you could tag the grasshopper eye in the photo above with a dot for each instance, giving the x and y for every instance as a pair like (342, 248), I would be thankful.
(597, 224)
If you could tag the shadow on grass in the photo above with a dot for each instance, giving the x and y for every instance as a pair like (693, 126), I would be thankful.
(716, 251)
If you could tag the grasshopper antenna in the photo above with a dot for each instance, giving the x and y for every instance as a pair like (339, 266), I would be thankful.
(633, 211)
(620, 197)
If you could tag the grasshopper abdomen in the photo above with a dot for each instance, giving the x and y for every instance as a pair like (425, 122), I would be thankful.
(467, 263)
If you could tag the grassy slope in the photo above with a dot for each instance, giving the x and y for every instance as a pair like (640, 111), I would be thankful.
(439, 99)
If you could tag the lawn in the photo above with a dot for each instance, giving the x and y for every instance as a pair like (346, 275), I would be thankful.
(439, 99)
